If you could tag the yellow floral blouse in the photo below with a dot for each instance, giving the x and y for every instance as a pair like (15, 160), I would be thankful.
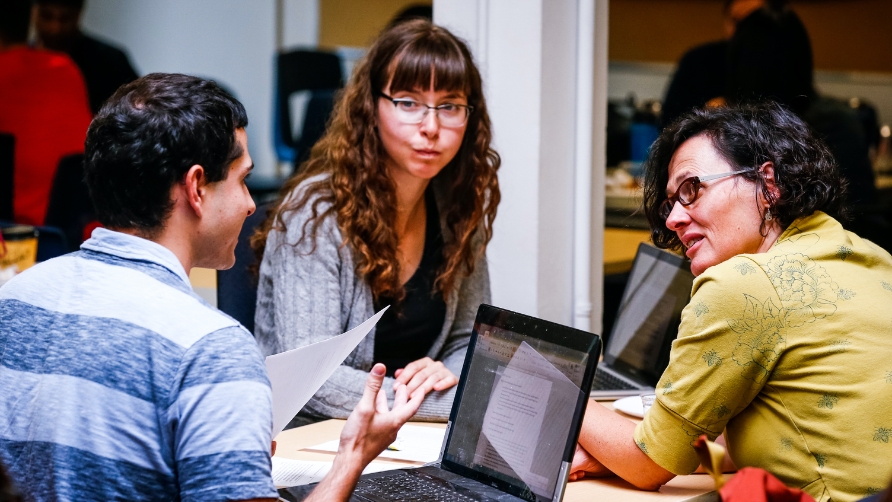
(790, 353)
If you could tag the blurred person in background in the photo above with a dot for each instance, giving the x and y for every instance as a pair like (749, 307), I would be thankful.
(700, 75)
(44, 106)
(770, 57)
(105, 68)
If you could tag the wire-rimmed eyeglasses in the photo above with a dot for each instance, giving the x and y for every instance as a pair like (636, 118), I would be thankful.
(409, 111)
(688, 191)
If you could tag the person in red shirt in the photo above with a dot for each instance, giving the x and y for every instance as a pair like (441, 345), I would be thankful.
(43, 104)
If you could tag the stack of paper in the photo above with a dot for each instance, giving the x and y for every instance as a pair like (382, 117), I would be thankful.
(413, 443)
(288, 472)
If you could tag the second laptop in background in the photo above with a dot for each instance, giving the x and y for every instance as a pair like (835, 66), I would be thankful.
(637, 350)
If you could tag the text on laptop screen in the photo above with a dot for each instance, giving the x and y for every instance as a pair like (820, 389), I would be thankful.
(513, 420)
(658, 289)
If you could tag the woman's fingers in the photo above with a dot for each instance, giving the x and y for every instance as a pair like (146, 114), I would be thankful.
(405, 375)
(447, 382)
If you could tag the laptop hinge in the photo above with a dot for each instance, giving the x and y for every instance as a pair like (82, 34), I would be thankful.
(563, 476)
(445, 440)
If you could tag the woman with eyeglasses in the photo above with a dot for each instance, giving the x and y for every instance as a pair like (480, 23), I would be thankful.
(785, 345)
(394, 207)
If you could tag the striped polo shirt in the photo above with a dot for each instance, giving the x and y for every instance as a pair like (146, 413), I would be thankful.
(118, 382)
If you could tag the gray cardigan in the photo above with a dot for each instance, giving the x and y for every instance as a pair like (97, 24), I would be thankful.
(307, 295)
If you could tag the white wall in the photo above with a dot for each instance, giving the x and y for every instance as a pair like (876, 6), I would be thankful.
(230, 41)
(526, 50)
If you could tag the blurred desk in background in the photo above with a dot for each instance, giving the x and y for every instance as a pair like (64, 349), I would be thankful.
(620, 246)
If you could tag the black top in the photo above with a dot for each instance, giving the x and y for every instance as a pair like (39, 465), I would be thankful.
(407, 330)
(105, 68)
(700, 77)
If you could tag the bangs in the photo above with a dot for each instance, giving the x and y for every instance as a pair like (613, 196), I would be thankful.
(431, 57)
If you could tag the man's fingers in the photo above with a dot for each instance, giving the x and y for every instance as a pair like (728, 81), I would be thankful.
(405, 411)
(373, 383)
(381, 402)
(400, 396)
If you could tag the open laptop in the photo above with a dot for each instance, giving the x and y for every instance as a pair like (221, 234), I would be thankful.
(637, 351)
(514, 423)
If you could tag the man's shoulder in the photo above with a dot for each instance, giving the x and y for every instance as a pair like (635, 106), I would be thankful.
(144, 295)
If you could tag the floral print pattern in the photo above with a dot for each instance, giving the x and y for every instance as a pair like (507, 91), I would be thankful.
(760, 339)
(701, 309)
(827, 401)
(712, 358)
(745, 268)
(804, 287)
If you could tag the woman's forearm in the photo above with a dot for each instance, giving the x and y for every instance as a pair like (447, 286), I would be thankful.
(609, 438)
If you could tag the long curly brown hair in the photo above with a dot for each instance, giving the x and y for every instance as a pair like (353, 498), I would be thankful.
(360, 192)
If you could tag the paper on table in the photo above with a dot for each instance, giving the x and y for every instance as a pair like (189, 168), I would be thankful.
(288, 472)
(297, 374)
(413, 443)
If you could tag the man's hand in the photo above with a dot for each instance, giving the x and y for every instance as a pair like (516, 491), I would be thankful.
(425, 374)
(369, 429)
(585, 465)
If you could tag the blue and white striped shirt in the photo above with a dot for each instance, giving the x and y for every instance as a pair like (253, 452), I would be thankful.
(118, 382)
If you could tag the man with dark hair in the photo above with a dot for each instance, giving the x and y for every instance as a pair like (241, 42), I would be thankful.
(105, 67)
(700, 75)
(119, 382)
(43, 104)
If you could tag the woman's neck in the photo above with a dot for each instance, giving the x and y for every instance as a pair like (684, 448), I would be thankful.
(409, 198)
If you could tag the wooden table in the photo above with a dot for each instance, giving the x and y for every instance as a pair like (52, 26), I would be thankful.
(290, 444)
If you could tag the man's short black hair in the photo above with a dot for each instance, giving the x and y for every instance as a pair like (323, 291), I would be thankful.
(75, 4)
(147, 136)
(15, 19)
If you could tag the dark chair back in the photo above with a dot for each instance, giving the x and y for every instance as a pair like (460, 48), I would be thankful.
(237, 287)
(296, 71)
(70, 208)
(7, 157)
(319, 109)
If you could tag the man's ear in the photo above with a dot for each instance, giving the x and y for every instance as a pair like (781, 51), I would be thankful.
(195, 182)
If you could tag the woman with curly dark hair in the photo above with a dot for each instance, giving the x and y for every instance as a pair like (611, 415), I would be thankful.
(394, 207)
(784, 346)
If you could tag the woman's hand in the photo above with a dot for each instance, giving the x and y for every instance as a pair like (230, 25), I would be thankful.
(425, 374)
(586, 465)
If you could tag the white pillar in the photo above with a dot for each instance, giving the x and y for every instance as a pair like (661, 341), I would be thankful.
(528, 53)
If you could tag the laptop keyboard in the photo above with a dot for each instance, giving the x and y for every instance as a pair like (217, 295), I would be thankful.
(606, 381)
(404, 487)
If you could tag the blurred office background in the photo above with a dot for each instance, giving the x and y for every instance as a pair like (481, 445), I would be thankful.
(550, 68)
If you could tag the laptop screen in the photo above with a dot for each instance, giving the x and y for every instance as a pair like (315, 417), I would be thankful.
(520, 402)
(659, 287)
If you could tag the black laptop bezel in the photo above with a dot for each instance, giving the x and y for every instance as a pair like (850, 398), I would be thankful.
(637, 374)
(548, 331)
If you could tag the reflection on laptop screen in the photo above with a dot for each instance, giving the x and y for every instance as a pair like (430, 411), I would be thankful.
(512, 423)
(658, 289)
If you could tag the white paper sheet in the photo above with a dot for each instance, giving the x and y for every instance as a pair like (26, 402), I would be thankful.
(288, 472)
(297, 374)
(413, 443)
